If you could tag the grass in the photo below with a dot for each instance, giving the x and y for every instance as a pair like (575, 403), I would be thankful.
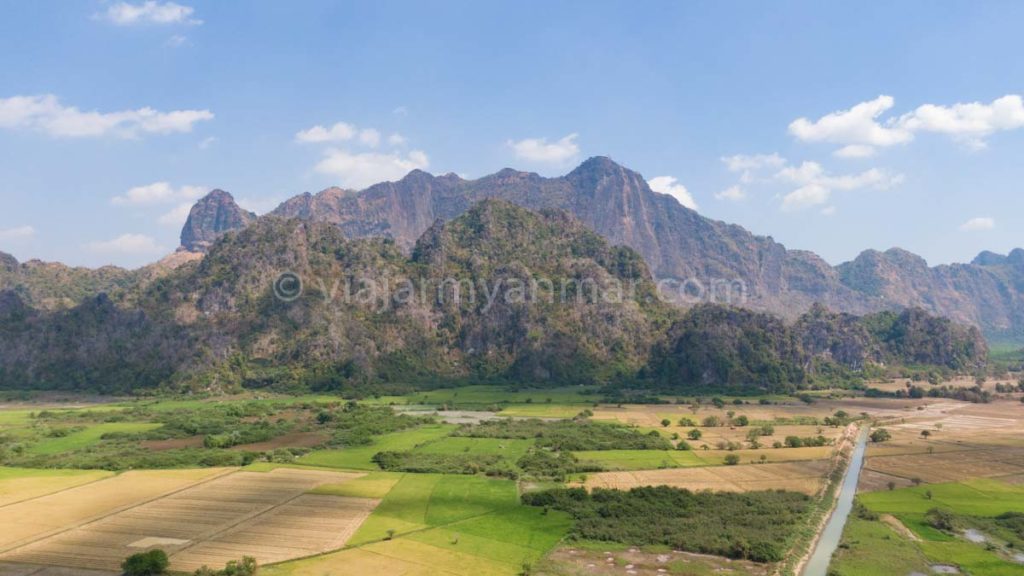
(373, 485)
(87, 437)
(979, 497)
(17, 484)
(451, 524)
(869, 548)
(512, 449)
(642, 459)
(360, 457)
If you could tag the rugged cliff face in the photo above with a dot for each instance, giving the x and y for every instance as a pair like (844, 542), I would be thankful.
(719, 262)
(213, 215)
(988, 293)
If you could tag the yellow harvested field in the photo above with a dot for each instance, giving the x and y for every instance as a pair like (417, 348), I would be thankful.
(29, 520)
(44, 482)
(950, 466)
(268, 515)
(400, 557)
(807, 477)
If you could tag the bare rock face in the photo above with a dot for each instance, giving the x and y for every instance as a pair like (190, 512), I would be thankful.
(213, 215)
(725, 262)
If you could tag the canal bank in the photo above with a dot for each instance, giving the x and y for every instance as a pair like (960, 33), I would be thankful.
(829, 537)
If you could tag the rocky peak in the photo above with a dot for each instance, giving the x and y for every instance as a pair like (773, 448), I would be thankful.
(213, 215)
(8, 263)
(988, 258)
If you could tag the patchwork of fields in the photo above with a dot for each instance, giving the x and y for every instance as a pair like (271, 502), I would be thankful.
(199, 518)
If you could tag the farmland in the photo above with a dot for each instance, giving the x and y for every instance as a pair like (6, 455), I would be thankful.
(300, 482)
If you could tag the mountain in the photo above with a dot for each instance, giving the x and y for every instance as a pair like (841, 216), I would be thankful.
(367, 313)
(213, 215)
(51, 285)
(715, 261)
(989, 292)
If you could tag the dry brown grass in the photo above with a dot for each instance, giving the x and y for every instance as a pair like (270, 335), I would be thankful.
(35, 485)
(265, 515)
(807, 477)
(32, 519)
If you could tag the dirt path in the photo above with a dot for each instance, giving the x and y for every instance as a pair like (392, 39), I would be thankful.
(898, 526)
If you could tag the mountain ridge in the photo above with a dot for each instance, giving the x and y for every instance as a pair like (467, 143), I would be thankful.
(678, 243)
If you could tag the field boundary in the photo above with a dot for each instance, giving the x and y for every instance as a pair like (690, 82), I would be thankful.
(93, 519)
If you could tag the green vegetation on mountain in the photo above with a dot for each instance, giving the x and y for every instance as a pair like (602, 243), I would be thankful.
(499, 294)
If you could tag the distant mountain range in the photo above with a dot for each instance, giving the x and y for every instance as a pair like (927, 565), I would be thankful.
(677, 243)
(371, 317)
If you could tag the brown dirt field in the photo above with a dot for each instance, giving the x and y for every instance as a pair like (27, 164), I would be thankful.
(872, 481)
(899, 527)
(265, 515)
(173, 443)
(639, 563)
(30, 520)
(292, 440)
(951, 466)
(17, 489)
(807, 477)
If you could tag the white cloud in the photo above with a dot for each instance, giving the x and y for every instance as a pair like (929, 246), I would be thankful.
(359, 170)
(176, 216)
(540, 150)
(732, 193)
(816, 186)
(205, 143)
(150, 12)
(126, 244)
(397, 140)
(17, 233)
(157, 193)
(339, 132)
(970, 122)
(46, 114)
(828, 211)
(369, 137)
(669, 185)
(745, 162)
(858, 125)
(978, 224)
(806, 196)
(861, 129)
(855, 151)
(400, 111)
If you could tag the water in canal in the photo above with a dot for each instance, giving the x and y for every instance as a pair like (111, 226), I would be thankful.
(829, 541)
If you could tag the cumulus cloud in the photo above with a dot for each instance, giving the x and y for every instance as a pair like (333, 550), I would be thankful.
(855, 151)
(150, 12)
(126, 244)
(540, 150)
(339, 132)
(17, 233)
(397, 140)
(176, 216)
(732, 193)
(669, 185)
(359, 170)
(858, 125)
(978, 224)
(969, 122)
(46, 114)
(860, 130)
(815, 185)
(157, 193)
(748, 165)
(369, 137)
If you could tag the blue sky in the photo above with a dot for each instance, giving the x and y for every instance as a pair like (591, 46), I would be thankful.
(832, 127)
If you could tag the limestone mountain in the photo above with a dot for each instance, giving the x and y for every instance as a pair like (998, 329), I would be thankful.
(679, 243)
(213, 215)
(218, 322)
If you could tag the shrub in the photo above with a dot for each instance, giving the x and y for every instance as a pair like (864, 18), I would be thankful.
(145, 563)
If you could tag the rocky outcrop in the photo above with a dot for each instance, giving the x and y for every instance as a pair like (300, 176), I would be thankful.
(213, 215)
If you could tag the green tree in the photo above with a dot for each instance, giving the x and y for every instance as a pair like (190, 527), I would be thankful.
(880, 435)
(147, 563)
(694, 434)
(732, 459)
